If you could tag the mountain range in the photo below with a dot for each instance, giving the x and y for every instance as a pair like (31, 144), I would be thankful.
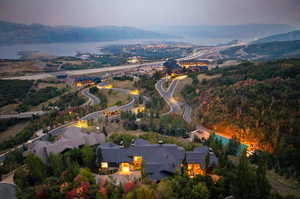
(290, 36)
(246, 31)
(13, 33)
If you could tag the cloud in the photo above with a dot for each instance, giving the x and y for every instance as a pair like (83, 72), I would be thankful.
(150, 12)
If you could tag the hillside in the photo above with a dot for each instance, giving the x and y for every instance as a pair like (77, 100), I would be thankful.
(247, 31)
(258, 103)
(264, 51)
(12, 33)
(290, 36)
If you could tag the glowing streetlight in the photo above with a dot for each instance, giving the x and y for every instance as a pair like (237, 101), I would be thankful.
(135, 92)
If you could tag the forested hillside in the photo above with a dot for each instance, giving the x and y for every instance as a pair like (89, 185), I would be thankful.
(290, 36)
(258, 103)
(12, 33)
(264, 51)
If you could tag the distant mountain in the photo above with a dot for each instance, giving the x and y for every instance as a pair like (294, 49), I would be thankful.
(247, 31)
(290, 36)
(12, 33)
(264, 51)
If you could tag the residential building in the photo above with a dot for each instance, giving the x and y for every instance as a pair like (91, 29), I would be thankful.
(158, 161)
(72, 138)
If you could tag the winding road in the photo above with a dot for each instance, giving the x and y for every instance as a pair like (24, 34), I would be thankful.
(59, 130)
(175, 106)
(92, 99)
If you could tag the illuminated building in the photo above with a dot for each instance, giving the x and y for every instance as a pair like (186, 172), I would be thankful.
(137, 162)
(158, 160)
(82, 124)
(197, 159)
(135, 92)
(195, 64)
(138, 109)
(82, 81)
(112, 111)
(124, 167)
(104, 165)
(105, 86)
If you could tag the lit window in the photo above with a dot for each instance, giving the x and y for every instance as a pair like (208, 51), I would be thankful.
(137, 162)
(104, 165)
(125, 167)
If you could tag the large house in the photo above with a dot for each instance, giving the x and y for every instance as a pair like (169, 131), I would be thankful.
(157, 160)
(195, 64)
(72, 138)
(197, 159)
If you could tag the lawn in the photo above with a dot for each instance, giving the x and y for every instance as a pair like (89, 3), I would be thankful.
(116, 98)
(127, 84)
(12, 131)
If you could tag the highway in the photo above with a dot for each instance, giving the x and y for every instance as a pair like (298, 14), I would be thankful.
(84, 71)
(23, 115)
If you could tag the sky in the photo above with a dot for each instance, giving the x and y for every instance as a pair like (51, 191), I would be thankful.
(144, 13)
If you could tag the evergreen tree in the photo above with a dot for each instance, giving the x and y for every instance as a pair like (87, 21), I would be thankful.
(56, 164)
(263, 185)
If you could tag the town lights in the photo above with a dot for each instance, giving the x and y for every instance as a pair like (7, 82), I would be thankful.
(104, 165)
(82, 124)
(172, 100)
(135, 92)
(181, 77)
(108, 86)
(138, 109)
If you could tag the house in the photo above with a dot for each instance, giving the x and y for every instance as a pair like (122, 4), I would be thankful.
(195, 64)
(7, 191)
(82, 81)
(73, 137)
(197, 159)
(112, 111)
(157, 160)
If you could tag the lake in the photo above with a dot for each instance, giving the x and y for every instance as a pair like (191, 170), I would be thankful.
(70, 49)
(62, 49)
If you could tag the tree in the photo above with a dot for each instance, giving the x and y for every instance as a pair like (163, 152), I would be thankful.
(233, 146)
(88, 156)
(37, 169)
(104, 131)
(263, 185)
(56, 164)
(20, 177)
(145, 192)
(200, 190)
(244, 185)
(164, 190)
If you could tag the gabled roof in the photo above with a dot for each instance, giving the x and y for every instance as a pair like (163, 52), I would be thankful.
(73, 137)
(159, 159)
(198, 156)
(7, 191)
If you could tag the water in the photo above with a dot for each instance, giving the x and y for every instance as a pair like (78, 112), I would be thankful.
(70, 49)
(62, 49)
(225, 141)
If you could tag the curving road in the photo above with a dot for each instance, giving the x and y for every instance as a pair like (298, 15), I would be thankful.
(167, 95)
(92, 99)
(175, 106)
(59, 130)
